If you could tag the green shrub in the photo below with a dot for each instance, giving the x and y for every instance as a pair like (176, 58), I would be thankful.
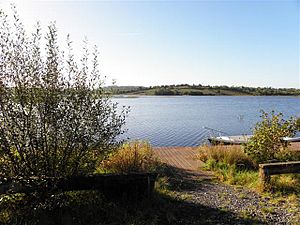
(55, 118)
(131, 157)
(298, 123)
(266, 143)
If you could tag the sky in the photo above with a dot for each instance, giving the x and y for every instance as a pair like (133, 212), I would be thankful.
(234, 43)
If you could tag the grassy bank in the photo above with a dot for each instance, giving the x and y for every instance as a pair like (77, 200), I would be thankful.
(85, 207)
(170, 204)
(232, 166)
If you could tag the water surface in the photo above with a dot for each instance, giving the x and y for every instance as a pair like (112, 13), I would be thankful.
(179, 120)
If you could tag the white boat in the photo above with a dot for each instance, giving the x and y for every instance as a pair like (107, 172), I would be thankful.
(238, 139)
(291, 139)
(232, 140)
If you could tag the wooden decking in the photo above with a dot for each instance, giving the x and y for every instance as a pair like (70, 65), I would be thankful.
(179, 157)
(184, 158)
(295, 146)
(182, 162)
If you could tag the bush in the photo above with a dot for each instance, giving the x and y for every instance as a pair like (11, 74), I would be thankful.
(131, 157)
(229, 155)
(266, 143)
(55, 118)
(298, 123)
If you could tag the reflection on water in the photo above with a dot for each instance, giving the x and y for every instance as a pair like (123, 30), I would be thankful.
(179, 121)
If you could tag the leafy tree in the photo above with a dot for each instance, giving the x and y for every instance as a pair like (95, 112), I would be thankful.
(55, 118)
(267, 143)
(164, 91)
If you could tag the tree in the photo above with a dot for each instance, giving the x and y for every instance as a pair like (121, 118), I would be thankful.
(267, 143)
(56, 119)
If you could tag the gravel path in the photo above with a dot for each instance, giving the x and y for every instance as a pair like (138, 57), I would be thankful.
(206, 201)
(229, 204)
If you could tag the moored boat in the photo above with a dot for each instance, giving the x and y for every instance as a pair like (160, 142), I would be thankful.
(230, 140)
(226, 139)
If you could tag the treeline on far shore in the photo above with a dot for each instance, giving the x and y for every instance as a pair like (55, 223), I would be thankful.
(206, 90)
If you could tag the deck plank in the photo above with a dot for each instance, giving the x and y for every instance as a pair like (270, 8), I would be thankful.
(184, 159)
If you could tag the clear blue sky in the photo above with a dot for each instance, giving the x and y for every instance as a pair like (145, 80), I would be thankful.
(250, 43)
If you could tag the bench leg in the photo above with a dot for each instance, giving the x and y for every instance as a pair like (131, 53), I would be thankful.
(264, 177)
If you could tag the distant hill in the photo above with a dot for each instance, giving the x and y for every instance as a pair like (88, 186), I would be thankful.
(198, 90)
(123, 89)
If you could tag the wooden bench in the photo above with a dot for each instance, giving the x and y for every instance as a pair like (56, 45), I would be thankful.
(268, 169)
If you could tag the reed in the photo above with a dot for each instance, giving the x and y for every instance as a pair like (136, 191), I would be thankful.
(131, 157)
(230, 155)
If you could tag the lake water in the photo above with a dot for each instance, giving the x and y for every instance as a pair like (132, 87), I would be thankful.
(179, 121)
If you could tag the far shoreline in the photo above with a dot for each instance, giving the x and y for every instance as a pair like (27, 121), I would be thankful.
(200, 90)
(141, 95)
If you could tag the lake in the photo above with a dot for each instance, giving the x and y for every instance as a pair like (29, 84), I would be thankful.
(179, 120)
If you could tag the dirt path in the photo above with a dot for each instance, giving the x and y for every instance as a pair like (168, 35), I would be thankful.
(227, 204)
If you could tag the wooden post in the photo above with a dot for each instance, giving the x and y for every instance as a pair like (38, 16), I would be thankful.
(264, 176)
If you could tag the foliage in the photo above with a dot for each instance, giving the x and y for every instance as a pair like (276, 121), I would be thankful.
(55, 118)
(90, 207)
(230, 163)
(134, 156)
(267, 143)
(229, 155)
(166, 91)
(232, 174)
(298, 123)
(286, 183)
(198, 89)
(232, 166)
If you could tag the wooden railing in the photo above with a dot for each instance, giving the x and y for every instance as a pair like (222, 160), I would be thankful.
(268, 169)
(132, 185)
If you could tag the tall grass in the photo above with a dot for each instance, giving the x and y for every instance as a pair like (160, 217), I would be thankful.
(131, 157)
(286, 184)
(232, 166)
(231, 174)
(230, 155)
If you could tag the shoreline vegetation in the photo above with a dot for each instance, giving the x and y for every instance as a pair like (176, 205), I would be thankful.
(200, 90)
